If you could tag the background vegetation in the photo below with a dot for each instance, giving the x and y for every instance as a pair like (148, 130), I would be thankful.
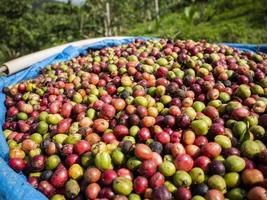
(30, 25)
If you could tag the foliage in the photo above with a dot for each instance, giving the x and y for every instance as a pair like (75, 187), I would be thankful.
(30, 25)
(242, 21)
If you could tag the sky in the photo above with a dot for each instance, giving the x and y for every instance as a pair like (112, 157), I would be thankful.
(77, 2)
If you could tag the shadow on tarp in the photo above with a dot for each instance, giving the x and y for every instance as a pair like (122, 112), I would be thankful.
(13, 186)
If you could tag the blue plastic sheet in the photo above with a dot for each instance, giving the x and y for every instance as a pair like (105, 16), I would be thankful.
(249, 47)
(13, 186)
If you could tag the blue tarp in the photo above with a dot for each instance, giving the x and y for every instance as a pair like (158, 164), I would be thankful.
(249, 47)
(14, 186)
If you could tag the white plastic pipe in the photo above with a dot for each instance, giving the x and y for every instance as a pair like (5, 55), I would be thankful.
(23, 62)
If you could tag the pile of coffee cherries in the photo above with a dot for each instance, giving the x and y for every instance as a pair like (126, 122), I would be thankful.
(156, 119)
